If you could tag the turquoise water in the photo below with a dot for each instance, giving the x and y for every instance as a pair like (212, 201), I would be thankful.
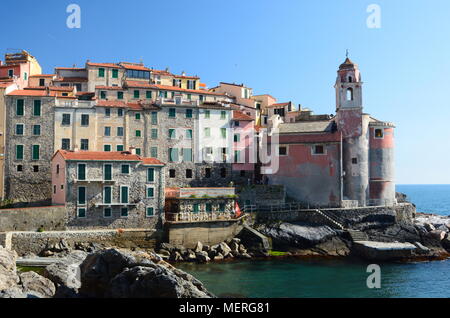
(334, 278)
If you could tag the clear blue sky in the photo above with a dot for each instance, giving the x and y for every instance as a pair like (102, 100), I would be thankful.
(289, 49)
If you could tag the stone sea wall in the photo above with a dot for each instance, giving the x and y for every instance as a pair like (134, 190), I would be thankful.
(49, 218)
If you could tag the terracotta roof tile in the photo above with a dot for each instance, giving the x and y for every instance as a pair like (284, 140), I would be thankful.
(113, 65)
(106, 156)
(71, 79)
(32, 92)
(135, 67)
(111, 103)
(43, 75)
(238, 115)
(114, 88)
(138, 84)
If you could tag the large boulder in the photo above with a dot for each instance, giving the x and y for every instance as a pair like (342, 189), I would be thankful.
(202, 257)
(37, 284)
(8, 274)
(119, 273)
(224, 249)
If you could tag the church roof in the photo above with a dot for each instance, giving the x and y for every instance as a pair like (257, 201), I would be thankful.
(347, 64)
(306, 127)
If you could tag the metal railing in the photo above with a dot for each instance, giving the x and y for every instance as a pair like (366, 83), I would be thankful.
(201, 216)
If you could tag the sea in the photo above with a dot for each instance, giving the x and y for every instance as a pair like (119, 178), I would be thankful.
(332, 278)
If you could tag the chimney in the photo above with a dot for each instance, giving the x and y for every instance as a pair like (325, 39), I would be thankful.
(132, 150)
(75, 148)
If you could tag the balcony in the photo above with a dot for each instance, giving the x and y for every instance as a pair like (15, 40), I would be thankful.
(94, 181)
(115, 204)
(74, 103)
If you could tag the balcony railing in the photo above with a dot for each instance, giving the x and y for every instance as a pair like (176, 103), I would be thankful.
(201, 216)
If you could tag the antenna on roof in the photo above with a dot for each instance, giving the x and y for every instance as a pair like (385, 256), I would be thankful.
(346, 53)
(141, 60)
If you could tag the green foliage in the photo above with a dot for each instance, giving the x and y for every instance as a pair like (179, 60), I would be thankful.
(6, 204)
(40, 230)
(277, 253)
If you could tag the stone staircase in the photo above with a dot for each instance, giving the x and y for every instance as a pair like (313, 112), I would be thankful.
(333, 222)
(356, 235)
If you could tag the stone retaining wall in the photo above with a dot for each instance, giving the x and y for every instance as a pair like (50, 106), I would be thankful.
(50, 218)
(208, 232)
(35, 242)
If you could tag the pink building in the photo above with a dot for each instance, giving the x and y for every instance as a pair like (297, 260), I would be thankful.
(243, 140)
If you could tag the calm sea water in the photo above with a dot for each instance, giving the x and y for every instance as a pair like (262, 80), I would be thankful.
(334, 278)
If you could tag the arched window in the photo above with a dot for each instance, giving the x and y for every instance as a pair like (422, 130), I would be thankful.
(350, 79)
(349, 93)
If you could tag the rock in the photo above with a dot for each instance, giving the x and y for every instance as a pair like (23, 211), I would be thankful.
(190, 256)
(176, 257)
(421, 249)
(244, 256)
(198, 247)
(234, 247)
(122, 274)
(236, 240)
(47, 253)
(446, 244)
(442, 227)
(437, 235)
(202, 257)
(224, 249)
(429, 227)
(218, 257)
(35, 283)
(213, 253)
(66, 274)
(13, 292)
(167, 246)
(242, 249)
(206, 248)
(165, 254)
(8, 274)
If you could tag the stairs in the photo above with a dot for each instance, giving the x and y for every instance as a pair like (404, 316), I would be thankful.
(357, 235)
(333, 223)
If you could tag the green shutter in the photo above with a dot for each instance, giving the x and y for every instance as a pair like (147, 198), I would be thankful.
(138, 133)
(101, 72)
(81, 212)
(196, 207)
(138, 151)
(107, 172)
(115, 73)
(154, 152)
(119, 95)
(37, 108)
(150, 175)
(119, 147)
(150, 211)
(137, 116)
(107, 195)
(172, 133)
(148, 94)
(173, 154)
(35, 151)
(107, 212)
(124, 195)
(154, 118)
(136, 94)
(20, 107)
(124, 212)
(172, 112)
(81, 172)
(19, 152)
(189, 134)
(150, 192)
(107, 148)
(187, 154)
(223, 131)
(81, 195)
(125, 169)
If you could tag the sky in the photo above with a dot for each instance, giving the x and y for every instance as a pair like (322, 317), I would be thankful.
(289, 49)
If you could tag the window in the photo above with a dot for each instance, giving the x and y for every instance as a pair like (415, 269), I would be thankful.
(125, 169)
(102, 95)
(223, 132)
(107, 112)
(138, 133)
(188, 113)
(107, 131)
(201, 97)
(81, 212)
(136, 94)
(163, 94)
(237, 137)
(208, 207)
(150, 192)
(354, 161)
(20, 107)
(19, 168)
(222, 207)
(36, 130)
(120, 112)
(282, 151)
(84, 144)
(107, 212)
(149, 212)
(237, 156)
(379, 133)
(124, 194)
(107, 148)
(154, 118)
(236, 123)
(107, 172)
(154, 133)
(188, 173)
(41, 82)
(19, 129)
(119, 131)
(65, 144)
(223, 114)
(84, 120)
(37, 108)
(196, 207)
(173, 154)
(191, 84)
(148, 94)
(65, 119)
(172, 173)
(138, 151)
(35, 168)
(137, 116)
(57, 169)
(119, 95)
(107, 195)
(172, 133)
(35, 152)
(154, 152)
(115, 73)
(10, 73)
(207, 172)
(207, 132)
(82, 195)
(81, 172)
(207, 114)
(187, 154)
(223, 172)
(172, 112)
(349, 94)
(189, 96)
(188, 133)
(119, 148)
(101, 72)
(124, 212)
(318, 150)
